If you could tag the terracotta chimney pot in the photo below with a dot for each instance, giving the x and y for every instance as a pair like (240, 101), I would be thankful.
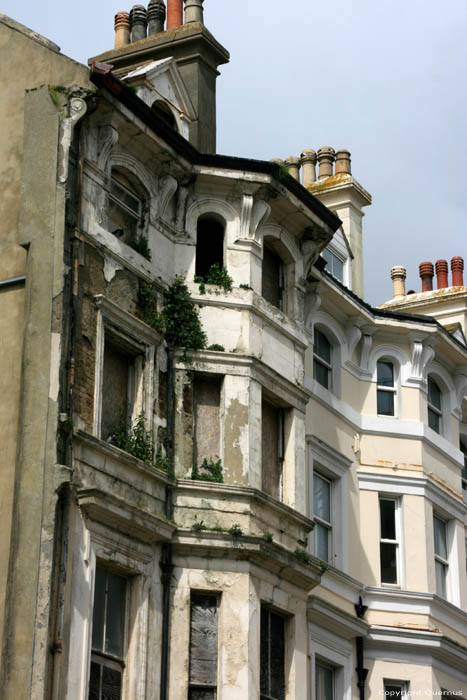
(292, 163)
(343, 163)
(326, 158)
(194, 11)
(139, 22)
(156, 17)
(398, 276)
(426, 271)
(442, 268)
(457, 269)
(174, 14)
(122, 29)
(308, 162)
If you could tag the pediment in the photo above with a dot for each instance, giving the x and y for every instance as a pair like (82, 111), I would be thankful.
(161, 80)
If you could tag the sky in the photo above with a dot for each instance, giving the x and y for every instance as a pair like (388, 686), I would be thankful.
(384, 79)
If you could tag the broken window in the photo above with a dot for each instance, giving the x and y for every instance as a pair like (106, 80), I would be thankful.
(273, 277)
(203, 647)
(120, 373)
(272, 445)
(272, 650)
(206, 410)
(108, 636)
(127, 203)
(209, 245)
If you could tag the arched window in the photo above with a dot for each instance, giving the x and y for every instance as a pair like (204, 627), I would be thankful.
(127, 205)
(322, 360)
(164, 113)
(434, 405)
(386, 391)
(273, 277)
(209, 245)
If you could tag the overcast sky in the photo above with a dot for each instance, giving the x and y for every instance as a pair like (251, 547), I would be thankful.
(385, 79)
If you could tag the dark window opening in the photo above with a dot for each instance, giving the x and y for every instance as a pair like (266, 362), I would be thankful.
(434, 405)
(273, 278)
(385, 388)
(272, 655)
(322, 359)
(464, 468)
(117, 387)
(126, 206)
(108, 636)
(164, 113)
(209, 245)
(389, 545)
(324, 682)
(203, 647)
(272, 447)
(206, 410)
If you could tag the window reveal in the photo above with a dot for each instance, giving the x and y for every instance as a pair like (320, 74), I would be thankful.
(126, 208)
(209, 245)
(272, 655)
(120, 373)
(206, 409)
(203, 647)
(273, 278)
(108, 636)
(272, 447)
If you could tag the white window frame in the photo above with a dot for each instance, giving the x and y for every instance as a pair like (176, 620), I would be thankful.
(330, 649)
(392, 390)
(440, 560)
(327, 525)
(325, 664)
(317, 359)
(403, 685)
(332, 465)
(434, 409)
(398, 541)
(334, 256)
(144, 341)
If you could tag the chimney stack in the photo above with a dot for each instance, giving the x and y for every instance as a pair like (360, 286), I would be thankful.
(457, 269)
(156, 17)
(343, 164)
(174, 14)
(398, 275)
(292, 163)
(426, 271)
(326, 158)
(194, 11)
(442, 268)
(122, 29)
(139, 22)
(308, 162)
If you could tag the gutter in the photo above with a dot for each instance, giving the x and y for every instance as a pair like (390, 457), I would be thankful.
(101, 75)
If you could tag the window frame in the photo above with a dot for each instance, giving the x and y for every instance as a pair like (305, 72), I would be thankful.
(439, 559)
(318, 360)
(327, 525)
(403, 685)
(397, 541)
(380, 388)
(330, 268)
(327, 666)
(140, 217)
(434, 410)
(265, 608)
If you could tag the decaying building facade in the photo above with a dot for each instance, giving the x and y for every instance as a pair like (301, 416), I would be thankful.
(231, 478)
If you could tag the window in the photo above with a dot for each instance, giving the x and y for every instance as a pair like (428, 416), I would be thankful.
(322, 359)
(203, 647)
(395, 690)
(389, 541)
(108, 636)
(324, 681)
(206, 411)
(441, 555)
(126, 206)
(434, 405)
(272, 655)
(121, 374)
(163, 111)
(209, 245)
(272, 448)
(335, 266)
(322, 514)
(385, 388)
(464, 468)
(273, 277)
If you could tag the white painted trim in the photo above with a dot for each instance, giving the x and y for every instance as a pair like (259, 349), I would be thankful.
(338, 653)
(424, 487)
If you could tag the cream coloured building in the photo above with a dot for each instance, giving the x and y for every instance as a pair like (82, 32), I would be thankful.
(265, 503)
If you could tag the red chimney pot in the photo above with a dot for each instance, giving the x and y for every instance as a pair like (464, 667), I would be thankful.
(442, 273)
(427, 271)
(174, 14)
(457, 269)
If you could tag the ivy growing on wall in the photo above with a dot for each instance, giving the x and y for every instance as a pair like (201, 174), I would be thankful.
(217, 276)
(208, 471)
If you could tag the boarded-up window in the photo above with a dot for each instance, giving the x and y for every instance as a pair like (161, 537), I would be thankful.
(272, 277)
(272, 440)
(116, 387)
(209, 245)
(206, 409)
(272, 678)
(203, 647)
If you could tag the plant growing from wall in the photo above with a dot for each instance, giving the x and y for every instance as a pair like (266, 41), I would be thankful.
(181, 319)
(217, 347)
(135, 439)
(208, 471)
(236, 531)
(139, 242)
(217, 276)
(148, 304)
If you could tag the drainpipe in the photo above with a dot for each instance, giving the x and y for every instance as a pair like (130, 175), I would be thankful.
(362, 672)
(166, 557)
(61, 561)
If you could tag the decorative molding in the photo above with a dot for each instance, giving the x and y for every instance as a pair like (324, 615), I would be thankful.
(107, 139)
(168, 186)
(422, 354)
(323, 614)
